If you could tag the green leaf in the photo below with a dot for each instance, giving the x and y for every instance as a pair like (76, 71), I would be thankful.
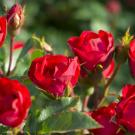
(25, 50)
(68, 121)
(56, 106)
(3, 129)
(37, 53)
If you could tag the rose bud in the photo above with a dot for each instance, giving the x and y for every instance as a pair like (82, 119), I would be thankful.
(125, 109)
(54, 73)
(104, 116)
(15, 18)
(132, 58)
(15, 102)
(107, 73)
(93, 49)
(3, 29)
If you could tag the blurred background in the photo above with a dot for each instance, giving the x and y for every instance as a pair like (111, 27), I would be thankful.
(57, 20)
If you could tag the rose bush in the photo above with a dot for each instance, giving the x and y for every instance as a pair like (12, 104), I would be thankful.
(53, 73)
(15, 102)
(94, 105)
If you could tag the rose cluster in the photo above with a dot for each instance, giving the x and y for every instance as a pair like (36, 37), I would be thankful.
(15, 100)
(93, 49)
(117, 117)
(56, 75)
(53, 73)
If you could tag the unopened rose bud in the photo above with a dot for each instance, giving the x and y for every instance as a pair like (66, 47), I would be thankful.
(121, 51)
(15, 19)
(127, 38)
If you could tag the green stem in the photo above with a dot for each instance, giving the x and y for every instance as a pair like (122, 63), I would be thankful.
(106, 90)
(10, 55)
(85, 103)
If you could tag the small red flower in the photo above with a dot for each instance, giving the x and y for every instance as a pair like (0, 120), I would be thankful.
(14, 102)
(53, 73)
(104, 116)
(3, 29)
(93, 49)
(126, 108)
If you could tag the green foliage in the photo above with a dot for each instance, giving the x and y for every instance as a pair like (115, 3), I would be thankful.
(57, 116)
(68, 121)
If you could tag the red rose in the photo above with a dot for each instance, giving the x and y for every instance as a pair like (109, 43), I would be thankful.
(126, 108)
(93, 49)
(15, 18)
(53, 73)
(14, 102)
(132, 57)
(104, 116)
(107, 73)
(3, 29)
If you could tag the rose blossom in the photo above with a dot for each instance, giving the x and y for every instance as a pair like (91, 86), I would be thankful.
(126, 108)
(93, 48)
(14, 102)
(53, 73)
(104, 116)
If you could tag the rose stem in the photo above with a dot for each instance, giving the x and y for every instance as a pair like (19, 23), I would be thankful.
(106, 90)
(10, 54)
(85, 103)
